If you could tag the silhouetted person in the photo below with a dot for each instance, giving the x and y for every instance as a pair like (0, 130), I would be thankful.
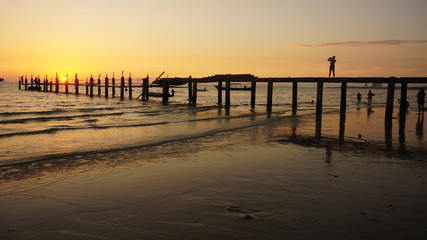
(332, 65)
(420, 99)
(405, 104)
(173, 92)
(370, 94)
(359, 97)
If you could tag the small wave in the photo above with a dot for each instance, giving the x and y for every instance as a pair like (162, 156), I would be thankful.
(58, 118)
(68, 128)
(139, 145)
(47, 112)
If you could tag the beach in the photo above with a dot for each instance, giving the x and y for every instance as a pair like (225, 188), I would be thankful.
(274, 178)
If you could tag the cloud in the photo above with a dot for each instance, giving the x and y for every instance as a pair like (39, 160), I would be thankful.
(365, 43)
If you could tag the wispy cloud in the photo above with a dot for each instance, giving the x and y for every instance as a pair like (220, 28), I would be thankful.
(365, 43)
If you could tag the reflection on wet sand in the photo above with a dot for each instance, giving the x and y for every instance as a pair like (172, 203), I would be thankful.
(356, 145)
(419, 132)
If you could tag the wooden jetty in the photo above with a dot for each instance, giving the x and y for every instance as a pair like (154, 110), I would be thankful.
(166, 83)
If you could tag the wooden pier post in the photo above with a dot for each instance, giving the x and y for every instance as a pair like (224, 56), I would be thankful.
(130, 86)
(76, 85)
(66, 84)
(390, 99)
(253, 93)
(294, 96)
(190, 90)
(106, 85)
(99, 84)
(343, 105)
(122, 87)
(227, 93)
(87, 87)
(319, 97)
(56, 84)
(19, 82)
(165, 92)
(194, 92)
(269, 95)
(46, 84)
(32, 81)
(219, 92)
(51, 85)
(91, 86)
(26, 83)
(145, 87)
(403, 95)
(342, 127)
(113, 86)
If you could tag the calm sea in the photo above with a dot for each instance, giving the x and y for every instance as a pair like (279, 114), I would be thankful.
(36, 125)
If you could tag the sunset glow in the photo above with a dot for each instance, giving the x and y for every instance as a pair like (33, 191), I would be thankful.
(201, 38)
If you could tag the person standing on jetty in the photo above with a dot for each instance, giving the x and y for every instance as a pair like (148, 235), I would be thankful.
(370, 94)
(332, 65)
(420, 99)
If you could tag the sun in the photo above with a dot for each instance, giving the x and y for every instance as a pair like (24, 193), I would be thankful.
(64, 79)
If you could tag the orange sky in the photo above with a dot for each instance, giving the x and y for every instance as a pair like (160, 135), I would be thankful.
(276, 38)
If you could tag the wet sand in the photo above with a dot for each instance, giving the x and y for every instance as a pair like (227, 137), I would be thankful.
(282, 180)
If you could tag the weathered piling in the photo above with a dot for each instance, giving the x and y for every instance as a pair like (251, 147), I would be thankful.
(294, 96)
(227, 93)
(122, 87)
(219, 92)
(194, 91)
(91, 86)
(99, 84)
(26, 83)
(253, 93)
(145, 87)
(269, 95)
(76, 85)
(19, 83)
(403, 101)
(319, 96)
(342, 127)
(66, 84)
(46, 84)
(190, 91)
(343, 104)
(56, 83)
(165, 97)
(87, 87)
(106, 85)
(130, 86)
(390, 98)
(113, 86)
(32, 81)
(51, 85)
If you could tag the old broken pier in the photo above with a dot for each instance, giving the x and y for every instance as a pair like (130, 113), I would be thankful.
(165, 83)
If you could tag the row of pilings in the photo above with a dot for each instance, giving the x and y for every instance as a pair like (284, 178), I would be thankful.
(192, 83)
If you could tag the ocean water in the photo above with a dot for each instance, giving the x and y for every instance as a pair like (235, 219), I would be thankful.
(35, 126)
(80, 167)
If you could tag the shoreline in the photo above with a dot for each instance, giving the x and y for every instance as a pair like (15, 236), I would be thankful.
(270, 181)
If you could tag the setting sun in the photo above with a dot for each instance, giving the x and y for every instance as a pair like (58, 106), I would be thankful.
(64, 79)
